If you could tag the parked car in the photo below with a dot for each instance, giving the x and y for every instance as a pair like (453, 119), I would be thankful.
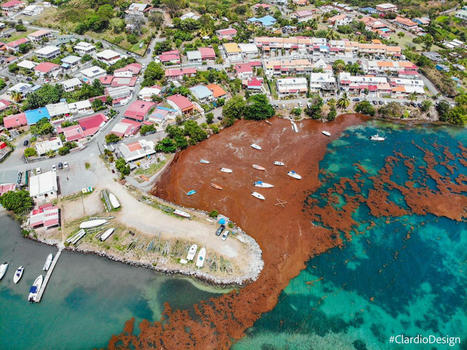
(60, 166)
(38, 170)
(356, 99)
(225, 235)
(65, 165)
(25, 143)
(220, 230)
(20, 176)
(54, 167)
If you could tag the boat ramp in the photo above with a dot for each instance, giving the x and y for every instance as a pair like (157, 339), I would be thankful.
(47, 276)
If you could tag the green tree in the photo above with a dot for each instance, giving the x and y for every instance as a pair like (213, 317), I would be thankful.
(365, 107)
(154, 72)
(30, 152)
(122, 167)
(42, 127)
(209, 118)
(234, 108)
(314, 108)
(17, 201)
(332, 114)
(258, 108)
(166, 145)
(111, 138)
(147, 129)
(426, 105)
(343, 102)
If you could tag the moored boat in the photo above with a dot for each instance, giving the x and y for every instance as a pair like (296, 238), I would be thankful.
(258, 195)
(48, 262)
(18, 274)
(182, 213)
(377, 138)
(114, 201)
(278, 163)
(327, 133)
(204, 161)
(201, 258)
(192, 252)
(35, 288)
(262, 184)
(258, 167)
(92, 223)
(216, 186)
(226, 170)
(191, 192)
(3, 268)
(106, 234)
(293, 174)
(255, 146)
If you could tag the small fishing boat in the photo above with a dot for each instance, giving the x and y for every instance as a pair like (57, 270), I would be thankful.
(263, 184)
(204, 161)
(377, 138)
(35, 288)
(278, 163)
(106, 234)
(293, 174)
(18, 274)
(75, 238)
(201, 258)
(3, 268)
(327, 133)
(226, 170)
(192, 252)
(191, 192)
(258, 195)
(258, 167)
(92, 223)
(216, 186)
(182, 213)
(255, 146)
(48, 262)
(114, 201)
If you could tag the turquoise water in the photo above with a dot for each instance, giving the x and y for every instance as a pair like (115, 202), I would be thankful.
(87, 299)
(380, 283)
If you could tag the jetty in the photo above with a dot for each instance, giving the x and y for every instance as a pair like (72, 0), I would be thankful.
(49, 273)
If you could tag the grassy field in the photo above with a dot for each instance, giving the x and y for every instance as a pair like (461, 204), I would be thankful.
(18, 35)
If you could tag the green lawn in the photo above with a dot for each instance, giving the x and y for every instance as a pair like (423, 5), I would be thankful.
(18, 35)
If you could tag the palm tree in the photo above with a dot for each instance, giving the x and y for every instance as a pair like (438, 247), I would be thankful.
(332, 35)
(343, 102)
(16, 96)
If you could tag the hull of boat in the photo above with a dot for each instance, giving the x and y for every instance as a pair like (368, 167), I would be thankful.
(279, 163)
(35, 288)
(294, 175)
(201, 258)
(326, 133)
(226, 170)
(263, 185)
(92, 223)
(216, 186)
(107, 234)
(255, 146)
(114, 201)
(18, 274)
(48, 262)
(204, 161)
(182, 214)
(258, 167)
(192, 252)
(3, 269)
(258, 195)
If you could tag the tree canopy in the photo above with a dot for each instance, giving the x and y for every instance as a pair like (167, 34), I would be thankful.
(17, 201)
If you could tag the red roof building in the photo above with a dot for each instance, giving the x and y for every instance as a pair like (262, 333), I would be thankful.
(170, 57)
(46, 215)
(207, 53)
(15, 44)
(46, 67)
(72, 133)
(138, 110)
(4, 104)
(227, 34)
(106, 79)
(126, 127)
(92, 124)
(15, 121)
(133, 68)
(178, 73)
(12, 5)
(181, 103)
(4, 188)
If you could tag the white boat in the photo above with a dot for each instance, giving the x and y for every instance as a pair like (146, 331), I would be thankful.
(327, 133)
(278, 163)
(293, 174)
(106, 234)
(258, 167)
(92, 223)
(258, 195)
(3, 268)
(226, 170)
(114, 201)
(263, 184)
(182, 213)
(201, 258)
(255, 146)
(216, 186)
(204, 161)
(48, 262)
(18, 274)
(192, 252)
(377, 138)
(75, 238)
(35, 288)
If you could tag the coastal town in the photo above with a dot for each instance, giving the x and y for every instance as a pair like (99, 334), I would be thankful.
(96, 105)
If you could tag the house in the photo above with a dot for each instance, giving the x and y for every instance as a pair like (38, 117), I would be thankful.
(121, 93)
(340, 20)
(138, 9)
(108, 56)
(405, 23)
(81, 107)
(403, 86)
(291, 86)
(161, 115)
(147, 92)
(33, 116)
(84, 48)
(462, 14)
(4, 104)
(26, 64)
(217, 91)
(138, 110)
(190, 15)
(386, 8)
(266, 21)
(59, 109)
(48, 52)
(201, 93)
(287, 66)
(40, 35)
(22, 88)
(129, 70)
(70, 61)
(15, 121)
(263, 6)
(387, 66)
(43, 187)
(13, 6)
(321, 65)
(4, 188)
(249, 50)
(32, 10)
(227, 34)
(172, 57)
(368, 10)
(47, 69)
(244, 70)
(51, 145)
(126, 127)
(71, 84)
(180, 103)
(207, 53)
(232, 51)
(303, 15)
(359, 83)
(72, 133)
(136, 150)
(194, 57)
(91, 125)
(46, 215)
(179, 73)
(424, 21)
(322, 81)
(254, 85)
(94, 72)
(14, 45)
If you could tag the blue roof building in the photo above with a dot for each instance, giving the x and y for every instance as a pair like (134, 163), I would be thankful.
(369, 10)
(266, 21)
(34, 115)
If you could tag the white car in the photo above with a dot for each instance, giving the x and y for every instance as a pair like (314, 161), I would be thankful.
(38, 170)
(65, 165)
(54, 167)
(225, 235)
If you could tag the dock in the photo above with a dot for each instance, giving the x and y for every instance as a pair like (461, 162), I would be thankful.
(49, 273)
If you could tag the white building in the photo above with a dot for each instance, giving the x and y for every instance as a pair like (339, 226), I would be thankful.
(249, 50)
(194, 56)
(93, 72)
(291, 86)
(32, 10)
(43, 187)
(48, 52)
(83, 48)
(147, 92)
(136, 150)
(108, 56)
(322, 81)
(81, 107)
(50, 145)
(71, 84)
(26, 64)
(58, 109)
(118, 92)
